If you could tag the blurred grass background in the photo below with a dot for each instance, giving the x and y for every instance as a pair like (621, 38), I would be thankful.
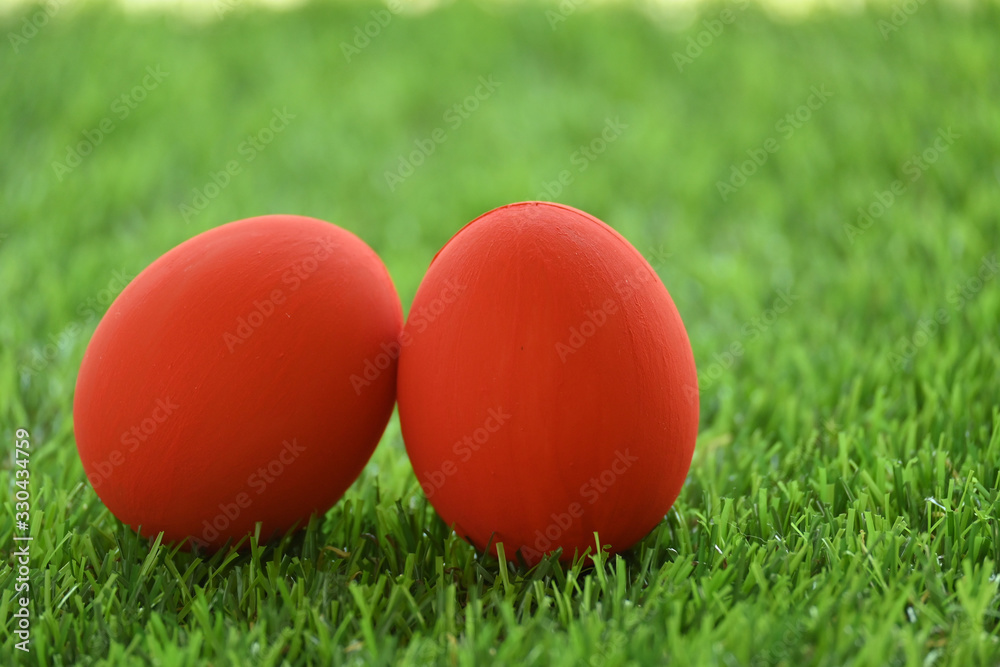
(836, 382)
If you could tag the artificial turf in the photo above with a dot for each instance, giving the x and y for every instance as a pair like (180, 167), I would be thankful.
(842, 505)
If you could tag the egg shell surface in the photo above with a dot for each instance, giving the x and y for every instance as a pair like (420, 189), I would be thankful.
(226, 384)
(547, 388)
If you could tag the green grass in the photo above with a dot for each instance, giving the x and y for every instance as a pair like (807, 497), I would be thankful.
(842, 505)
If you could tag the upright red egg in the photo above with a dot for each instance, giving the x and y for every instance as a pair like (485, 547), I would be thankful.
(547, 388)
(227, 384)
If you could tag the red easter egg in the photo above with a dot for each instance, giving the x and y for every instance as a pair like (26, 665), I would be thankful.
(547, 388)
(228, 383)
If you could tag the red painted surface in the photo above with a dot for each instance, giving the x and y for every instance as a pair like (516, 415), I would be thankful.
(521, 420)
(197, 417)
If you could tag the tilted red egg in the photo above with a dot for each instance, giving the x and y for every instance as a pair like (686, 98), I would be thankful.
(241, 377)
(547, 388)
